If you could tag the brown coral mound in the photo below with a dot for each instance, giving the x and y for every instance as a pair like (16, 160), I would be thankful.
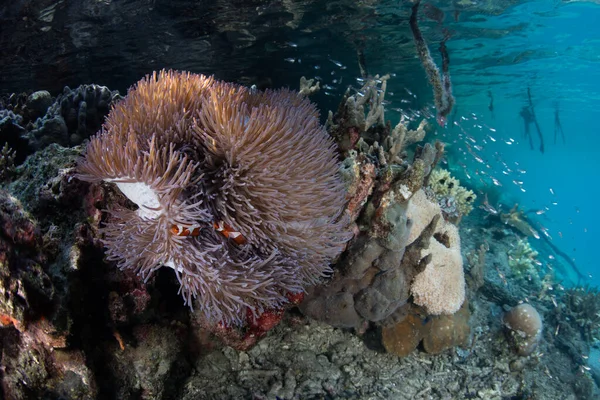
(193, 153)
(438, 332)
(525, 327)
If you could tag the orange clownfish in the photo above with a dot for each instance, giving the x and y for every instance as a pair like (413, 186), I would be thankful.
(229, 233)
(180, 230)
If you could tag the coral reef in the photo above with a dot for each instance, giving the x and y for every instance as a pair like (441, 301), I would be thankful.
(358, 176)
(61, 308)
(359, 123)
(28, 107)
(405, 253)
(403, 338)
(447, 331)
(440, 287)
(32, 122)
(12, 134)
(308, 87)
(522, 259)
(74, 115)
(237, 191)
(386, 264)
(390, 151)
(25, 286)
(36, 353)
(76, 327)
(358, 113)
(443, 183)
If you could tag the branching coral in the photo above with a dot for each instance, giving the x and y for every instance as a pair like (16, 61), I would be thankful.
(584, 306)
(358, 112)
(7, 162)
(207, 162)
(522, 259)
(359, 124)
(391, 149)
(306, 86)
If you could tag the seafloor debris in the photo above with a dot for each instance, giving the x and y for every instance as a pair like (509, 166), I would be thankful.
(516, 219)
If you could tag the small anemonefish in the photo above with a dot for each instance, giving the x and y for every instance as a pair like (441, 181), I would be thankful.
(221, 227)
(229, 233)
(180, 230)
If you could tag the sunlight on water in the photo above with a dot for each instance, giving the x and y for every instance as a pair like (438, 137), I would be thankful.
(558, 188)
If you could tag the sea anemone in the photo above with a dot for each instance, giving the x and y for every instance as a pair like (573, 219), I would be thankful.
(236, 190)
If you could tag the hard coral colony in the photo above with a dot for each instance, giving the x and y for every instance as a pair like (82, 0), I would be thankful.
(236, 190)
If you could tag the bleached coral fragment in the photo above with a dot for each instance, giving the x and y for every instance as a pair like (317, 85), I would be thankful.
(307, 88)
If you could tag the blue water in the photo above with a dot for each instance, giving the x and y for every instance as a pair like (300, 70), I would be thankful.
(550, 47)
(554, 49)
